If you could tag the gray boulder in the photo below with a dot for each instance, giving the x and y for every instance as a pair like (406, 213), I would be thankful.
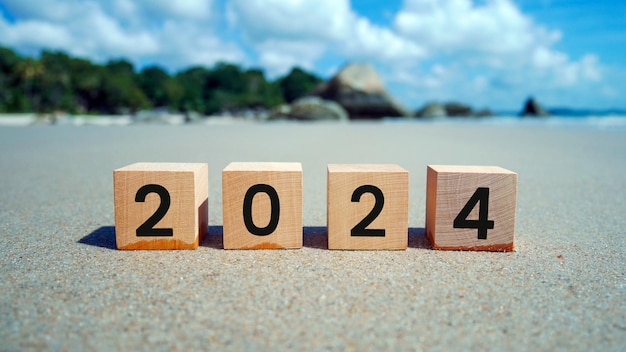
(311, 109)
(532, 108)
(360, 91)
(453, 109)
(463, 110)
(483, 113)
(432, 110)
(458, 109)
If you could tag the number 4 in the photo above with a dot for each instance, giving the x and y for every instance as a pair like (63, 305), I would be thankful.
(481, 196)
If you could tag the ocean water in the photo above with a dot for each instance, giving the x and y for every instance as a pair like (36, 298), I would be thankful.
(598, 122)
(608, 122)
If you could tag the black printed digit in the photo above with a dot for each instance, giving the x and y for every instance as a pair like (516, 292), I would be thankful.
(247, 209)
(147, 228)
(379, 201)
(481, 196)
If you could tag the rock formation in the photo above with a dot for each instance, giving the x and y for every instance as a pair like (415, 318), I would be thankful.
(458, 109)
(532, 108)
(311, 109)
(453, 109)
(360, 91)
(432, 110)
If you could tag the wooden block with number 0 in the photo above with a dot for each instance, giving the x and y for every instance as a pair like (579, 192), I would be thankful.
(161, 205)
(471, 207)
(262, 205)
(368, 206)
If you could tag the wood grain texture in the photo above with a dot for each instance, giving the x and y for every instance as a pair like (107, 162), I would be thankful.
(343, 214)
(187, 184)
(286, 179)
(448, 190)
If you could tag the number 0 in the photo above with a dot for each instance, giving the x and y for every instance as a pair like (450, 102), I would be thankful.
(147, 228)
(481, 196)
(247, 210)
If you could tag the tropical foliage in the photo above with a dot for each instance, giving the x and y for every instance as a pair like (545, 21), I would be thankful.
(56, 81)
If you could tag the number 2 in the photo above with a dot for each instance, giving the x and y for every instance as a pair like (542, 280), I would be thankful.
(361, 229)
(481, 196)
(147, 228)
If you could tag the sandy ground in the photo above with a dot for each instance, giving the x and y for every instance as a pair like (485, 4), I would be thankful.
(64, 286)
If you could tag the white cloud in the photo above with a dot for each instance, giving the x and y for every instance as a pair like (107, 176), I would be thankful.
(365, 40)
(54, 10)
(183, 44)
(34, 34)
(82, 30)
(480, 83)
(104, 34)
(493, 53)
(495, 34)
(497, 27)
(590, 68)
(301, 19)
(189, 9)
(483, 51)
(274, 27)
(280, 55)
(172, 33)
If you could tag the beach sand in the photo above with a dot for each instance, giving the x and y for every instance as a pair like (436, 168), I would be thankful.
(63, 285)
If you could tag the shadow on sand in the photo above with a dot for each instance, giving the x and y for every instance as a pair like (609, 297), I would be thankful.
(418, 239)
(313, 237)
(102, 237)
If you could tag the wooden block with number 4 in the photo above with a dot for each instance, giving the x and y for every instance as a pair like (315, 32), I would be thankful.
(262, 205)
(471, 207)
(368, 206)
(161, 205)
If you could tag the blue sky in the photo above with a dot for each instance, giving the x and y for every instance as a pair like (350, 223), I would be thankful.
(488, 53)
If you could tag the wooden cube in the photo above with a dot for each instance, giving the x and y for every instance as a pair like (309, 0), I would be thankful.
(161, 205)
(368, 206)
(471, 207)
(262, 205)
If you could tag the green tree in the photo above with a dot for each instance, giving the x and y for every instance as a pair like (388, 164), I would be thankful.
(229, 87)
(120, 89)
(57, 91)
(57, 81)
(8, 60)
(193, 82)
(224, 88)
(297, 84)
(10, 93)
(120, 67)
(29, 71)
(173, 93)
(160, 88)
(86, 80)
(260, 92)
(227, 77)
(152, 81)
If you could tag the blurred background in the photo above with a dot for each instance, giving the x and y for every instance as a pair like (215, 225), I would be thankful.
(211, 57)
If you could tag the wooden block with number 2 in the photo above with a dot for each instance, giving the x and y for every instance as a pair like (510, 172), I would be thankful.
(368, 206)
(161, 205)
(471, 207)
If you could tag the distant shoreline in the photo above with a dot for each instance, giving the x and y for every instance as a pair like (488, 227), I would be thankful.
(603, 122)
